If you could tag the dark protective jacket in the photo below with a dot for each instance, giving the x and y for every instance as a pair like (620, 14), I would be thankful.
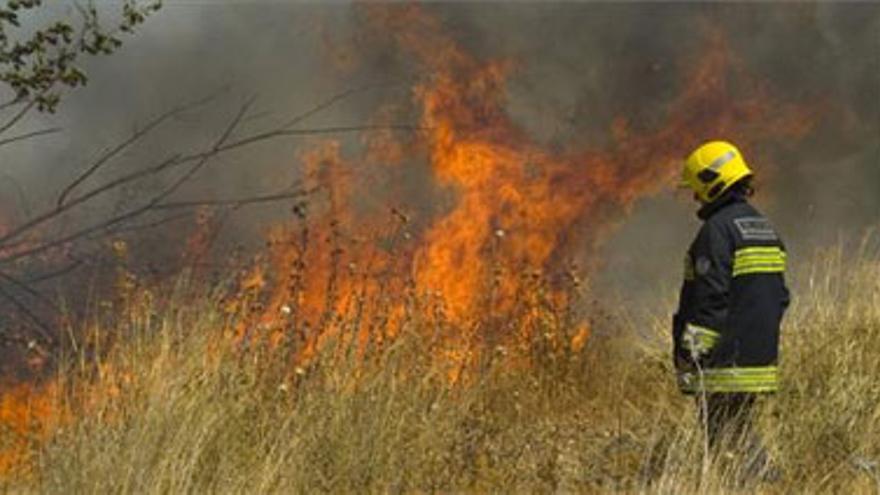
(726, 329)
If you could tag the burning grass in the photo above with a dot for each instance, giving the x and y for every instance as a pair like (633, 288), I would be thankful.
(446, 350)
(179, 405)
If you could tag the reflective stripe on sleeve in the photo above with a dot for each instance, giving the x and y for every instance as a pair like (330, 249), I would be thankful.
(753, 379)
(758, 260)
(699, 340)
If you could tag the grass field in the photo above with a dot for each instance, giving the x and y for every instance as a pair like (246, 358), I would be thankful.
(173, 409)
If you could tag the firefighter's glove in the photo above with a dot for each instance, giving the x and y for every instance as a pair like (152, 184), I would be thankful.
(698, 341)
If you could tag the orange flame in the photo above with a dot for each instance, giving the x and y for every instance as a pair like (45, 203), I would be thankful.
(480, 273)
(520, 207)
(27, 416)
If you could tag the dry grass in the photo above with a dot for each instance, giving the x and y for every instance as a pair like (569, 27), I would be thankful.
(176, 413)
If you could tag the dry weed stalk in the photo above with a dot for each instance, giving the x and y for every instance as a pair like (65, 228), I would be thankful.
(176, 406)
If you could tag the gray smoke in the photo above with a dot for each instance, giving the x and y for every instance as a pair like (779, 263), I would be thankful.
(580, 66)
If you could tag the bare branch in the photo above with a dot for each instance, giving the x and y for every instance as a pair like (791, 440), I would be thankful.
(136, 136)
(84, 233)
(42, 328)
(178, 160)
(40, 248)
(11, 103)
(204, 160)
(29, 135)
(18, 116)
(329, 102)
(30, 290)
(149, 225)
(235, 203)
(87, 233)
(57, 211)
(56, 273)
(266, 136)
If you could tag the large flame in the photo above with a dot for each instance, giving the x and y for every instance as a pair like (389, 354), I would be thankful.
(520, 207)
(478, 272)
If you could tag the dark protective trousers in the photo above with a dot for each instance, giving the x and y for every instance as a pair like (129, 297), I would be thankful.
(728, 418)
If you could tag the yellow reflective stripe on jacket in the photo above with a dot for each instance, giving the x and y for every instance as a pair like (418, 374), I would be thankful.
(758, 260)
(699, 340)
(753, 379)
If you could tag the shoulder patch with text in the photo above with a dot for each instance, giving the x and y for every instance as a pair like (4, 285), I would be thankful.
(755, 229)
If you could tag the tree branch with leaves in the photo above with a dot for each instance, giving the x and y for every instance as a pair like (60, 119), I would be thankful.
(37, 62)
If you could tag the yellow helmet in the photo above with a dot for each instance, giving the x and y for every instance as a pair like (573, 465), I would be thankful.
(712, 168)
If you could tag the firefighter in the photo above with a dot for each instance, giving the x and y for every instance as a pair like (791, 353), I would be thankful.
(726, 329)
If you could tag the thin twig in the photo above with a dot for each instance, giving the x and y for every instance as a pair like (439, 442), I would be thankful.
(235, 203)
(178, 160)
(242, 112)
(18, 116)
(268, 135)
(136, 136)
(55, 273)
(150, 225)
(42, 328)
(29, 135)
(330, 102)
(30, 290)
(57, 211)
(11, 103)
(40, 248)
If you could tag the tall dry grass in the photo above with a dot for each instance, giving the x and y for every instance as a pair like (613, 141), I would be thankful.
(172, 410)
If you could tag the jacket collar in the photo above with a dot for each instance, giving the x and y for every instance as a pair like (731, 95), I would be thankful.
(729, 197)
